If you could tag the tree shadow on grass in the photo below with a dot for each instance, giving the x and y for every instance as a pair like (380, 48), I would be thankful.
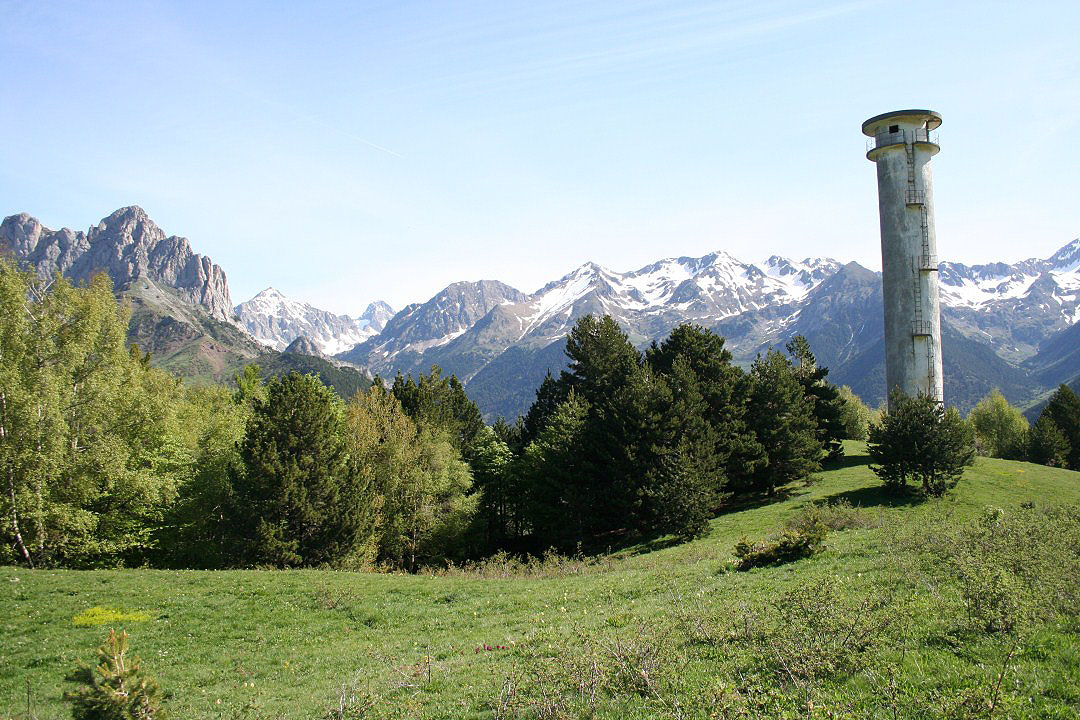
(875, 496)
(846, 461)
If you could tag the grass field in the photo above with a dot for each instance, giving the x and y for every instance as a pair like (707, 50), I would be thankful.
(655, 632)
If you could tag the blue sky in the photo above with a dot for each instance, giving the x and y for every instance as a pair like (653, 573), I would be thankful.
(350, 151)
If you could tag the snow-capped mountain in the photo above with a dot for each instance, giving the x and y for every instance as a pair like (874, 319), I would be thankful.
(277, 321)
(1014, 307)
(420, 327)
(507, 343)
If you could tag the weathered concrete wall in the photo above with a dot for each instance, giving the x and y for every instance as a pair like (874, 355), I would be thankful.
(912, 310)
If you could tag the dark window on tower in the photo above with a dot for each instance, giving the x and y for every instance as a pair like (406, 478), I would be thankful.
(894, 129)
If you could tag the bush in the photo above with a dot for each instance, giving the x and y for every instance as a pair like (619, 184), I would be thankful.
(840, 515)
(789, 545)
(117, 689)
(918, 439)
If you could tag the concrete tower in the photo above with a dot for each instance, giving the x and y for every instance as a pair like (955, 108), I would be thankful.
(902, 146)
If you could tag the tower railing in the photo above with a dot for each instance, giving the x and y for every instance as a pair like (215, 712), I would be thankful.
(902, 137)
(916, 197)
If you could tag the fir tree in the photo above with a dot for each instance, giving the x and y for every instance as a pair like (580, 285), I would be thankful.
(783, 421)
(922, 441)
(1046, 444)
(295, 498)
(1064, 409)
(824, 397)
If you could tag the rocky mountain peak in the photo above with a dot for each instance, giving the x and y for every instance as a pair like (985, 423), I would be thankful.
(304, 346)
(126, 245)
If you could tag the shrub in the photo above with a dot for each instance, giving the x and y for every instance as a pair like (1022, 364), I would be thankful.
(117, 689)
(839, 515)
(919, 439)
(789, 545)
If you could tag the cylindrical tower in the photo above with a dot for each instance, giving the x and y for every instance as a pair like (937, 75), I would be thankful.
(901, 146)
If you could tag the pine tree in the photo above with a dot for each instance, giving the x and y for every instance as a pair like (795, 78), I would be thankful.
(782, 419)
(295, 497)
(549, 396)
(824, 397)
(724, 389)
(601, 358)
(552, 474)
(440, 402)
(1046, 444)
(922, 441)
(1064, 410)
(118, 688)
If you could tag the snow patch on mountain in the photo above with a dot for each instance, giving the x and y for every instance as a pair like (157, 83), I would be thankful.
(276, 320)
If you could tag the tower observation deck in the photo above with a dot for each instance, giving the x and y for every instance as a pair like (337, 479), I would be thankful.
(901, 144)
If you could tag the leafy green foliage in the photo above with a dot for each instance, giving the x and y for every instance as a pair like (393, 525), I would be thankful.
(418, 488)
(1000, 429)
(855, 415)
(89, 447)
(118, 688)
(922, 441)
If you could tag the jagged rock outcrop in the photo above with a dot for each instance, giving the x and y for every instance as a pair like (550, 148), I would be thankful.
(304, 346)
(126, 245)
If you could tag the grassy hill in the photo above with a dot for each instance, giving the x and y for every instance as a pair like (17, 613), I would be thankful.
(879, 621)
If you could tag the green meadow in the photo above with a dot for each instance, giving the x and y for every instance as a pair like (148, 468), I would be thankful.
(888, 621)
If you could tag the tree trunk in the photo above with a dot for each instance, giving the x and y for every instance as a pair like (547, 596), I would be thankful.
(15, 520)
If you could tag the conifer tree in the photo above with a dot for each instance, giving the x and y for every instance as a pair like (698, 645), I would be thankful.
(1064, 410)
(920, 440)
(1046, 444)
(782, 419)
(549, 396)
(824, 397)
(552, 473)
(440, 402)
(118, 688)
(295, 498)
(724, 389)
